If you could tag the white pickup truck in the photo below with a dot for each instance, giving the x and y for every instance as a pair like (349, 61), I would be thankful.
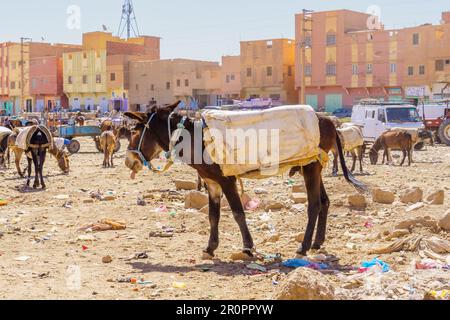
(377, 118)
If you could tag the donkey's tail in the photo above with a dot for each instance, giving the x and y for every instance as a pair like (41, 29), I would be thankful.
(361, 187)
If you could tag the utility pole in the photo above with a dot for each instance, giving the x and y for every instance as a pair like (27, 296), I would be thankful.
(22, 71)
(307, 19)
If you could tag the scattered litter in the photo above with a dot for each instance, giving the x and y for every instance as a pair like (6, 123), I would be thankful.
(22, 258)
(141, 202)
(61, 197)
(3, 202)
(438, 295)
(375, 262)
(139, 256)
(255, 266)
(105, 225)
(179, 285)
(368, 225)
(252, 205)
(302, 263)
(86, 237)
(85, 248)
(161, 209)
(68, 204)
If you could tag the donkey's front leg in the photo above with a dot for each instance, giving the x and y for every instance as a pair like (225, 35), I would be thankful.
(230, 190)
(215, 195)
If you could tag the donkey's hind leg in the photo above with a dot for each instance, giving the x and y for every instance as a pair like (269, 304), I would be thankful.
(34, 154)
(312, 174)
(28, 170)
(42, 155)
(323, 216)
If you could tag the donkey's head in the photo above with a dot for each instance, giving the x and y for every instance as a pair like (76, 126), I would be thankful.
(148, 138)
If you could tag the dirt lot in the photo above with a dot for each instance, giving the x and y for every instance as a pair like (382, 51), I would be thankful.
(36, 228)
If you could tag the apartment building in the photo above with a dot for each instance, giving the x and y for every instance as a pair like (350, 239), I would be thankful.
(164, 81)
(35, 83)
(231, 78)
(98, 75)
(346, 61)
(268, 70)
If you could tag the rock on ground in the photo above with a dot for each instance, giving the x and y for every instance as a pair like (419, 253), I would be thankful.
(436, 198)
(357, 201)
(185, 185)
(383, 196)
(305, 284)
(444, 223)
(196, 200)
(411, 195)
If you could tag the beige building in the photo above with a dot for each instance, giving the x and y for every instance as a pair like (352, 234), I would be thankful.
(231, 78)
(268, 70)
(164, 81)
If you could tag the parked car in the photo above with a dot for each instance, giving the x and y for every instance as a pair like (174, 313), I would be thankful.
(342, 113)
(378, 117)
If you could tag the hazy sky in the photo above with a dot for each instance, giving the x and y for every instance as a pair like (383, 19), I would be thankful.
(198, 29)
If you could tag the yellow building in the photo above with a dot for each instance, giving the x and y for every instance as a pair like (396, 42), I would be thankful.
(97, 76)
(268, 70)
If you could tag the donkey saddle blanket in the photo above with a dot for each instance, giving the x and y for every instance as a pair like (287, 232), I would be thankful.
(23, 140)
(4, 132)
(257, 144)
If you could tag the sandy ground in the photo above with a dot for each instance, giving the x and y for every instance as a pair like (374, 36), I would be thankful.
(62, 266)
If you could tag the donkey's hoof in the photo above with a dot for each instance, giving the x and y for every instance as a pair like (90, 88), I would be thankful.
(207, 256)
(242, 256)
(301, 251)
(316, 246)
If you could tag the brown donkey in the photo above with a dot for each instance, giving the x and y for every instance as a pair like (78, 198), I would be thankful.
(108, 144)
(392, 140)
(150, 137)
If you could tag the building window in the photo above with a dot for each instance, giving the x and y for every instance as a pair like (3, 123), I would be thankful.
(249, 72)
(168, 85)
(415, 39)
(70, 56)
(369, 68)
(186, 83)
(422, 70)
(393, 67)
(97, 53)
(410, 71)
(113, 77)
(308, 42)
(152, 87)
(98, 78)
(290, 71)
(84, 55)
(69, 80)
(308, 70)
(137, 87)
(228, 78)
(354, 69)
(232, 77)
(269, 71)
(269, 44)
(13, 65)
(275, 97)
(12, 85)
(331, 69)
(447, 62)
(85, 80)
(331, 39)
(178, 83)
(439, 65)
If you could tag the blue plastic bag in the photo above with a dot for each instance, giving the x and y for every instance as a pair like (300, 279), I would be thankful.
(374, 262)
(301, 263)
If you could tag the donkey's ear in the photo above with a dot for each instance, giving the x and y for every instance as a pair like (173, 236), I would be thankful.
(173, 106)
(139, 116)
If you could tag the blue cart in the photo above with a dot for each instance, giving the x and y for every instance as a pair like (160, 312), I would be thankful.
(72, 132)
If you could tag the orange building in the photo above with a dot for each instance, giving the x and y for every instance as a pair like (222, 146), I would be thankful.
(231, 78)
(268, 70)
(347, 61)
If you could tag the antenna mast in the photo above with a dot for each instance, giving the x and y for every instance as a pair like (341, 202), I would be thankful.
(128, 21)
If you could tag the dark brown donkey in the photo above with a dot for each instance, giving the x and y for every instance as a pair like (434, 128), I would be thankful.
(38, 148)
(151, 134)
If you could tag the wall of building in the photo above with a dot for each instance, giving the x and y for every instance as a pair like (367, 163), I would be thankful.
(231, 76)
(259, 56)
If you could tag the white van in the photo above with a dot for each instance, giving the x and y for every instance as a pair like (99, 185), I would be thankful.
(378, 117)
